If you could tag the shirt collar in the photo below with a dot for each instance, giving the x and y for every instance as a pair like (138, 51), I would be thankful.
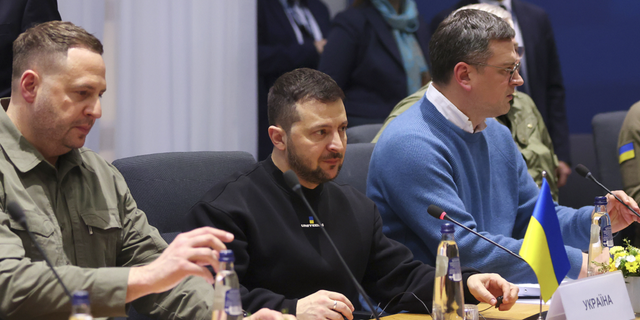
(505, 3)
(451, 112)
(22, 154)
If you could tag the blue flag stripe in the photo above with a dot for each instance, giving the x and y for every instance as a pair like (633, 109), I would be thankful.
(626, 147)
(545, 213)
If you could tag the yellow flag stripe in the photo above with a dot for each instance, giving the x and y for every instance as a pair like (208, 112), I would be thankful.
(535, 250)
(627, 155)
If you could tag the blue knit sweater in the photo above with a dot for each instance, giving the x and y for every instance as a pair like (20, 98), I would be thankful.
(479, 179)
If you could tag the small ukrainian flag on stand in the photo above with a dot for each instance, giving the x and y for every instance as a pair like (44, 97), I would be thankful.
(311, 221)
(543, 247)
(626, 152)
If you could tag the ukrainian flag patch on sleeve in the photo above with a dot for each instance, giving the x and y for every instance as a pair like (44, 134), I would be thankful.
(626, 152)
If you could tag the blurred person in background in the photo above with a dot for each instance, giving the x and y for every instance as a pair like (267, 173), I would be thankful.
(16, 16)
(291, 34)
(628, 143)
(376, 52)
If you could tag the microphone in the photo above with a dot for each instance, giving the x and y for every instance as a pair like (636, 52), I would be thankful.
(438, 213)
(16, 213)
(292, 181)
(584, 172)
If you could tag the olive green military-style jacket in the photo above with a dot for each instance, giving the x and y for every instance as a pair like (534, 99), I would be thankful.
(527, 128)
(629, 159)
(83, 216)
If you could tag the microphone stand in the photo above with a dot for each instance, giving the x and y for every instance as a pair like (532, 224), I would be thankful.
(295, 186)
(584, 172)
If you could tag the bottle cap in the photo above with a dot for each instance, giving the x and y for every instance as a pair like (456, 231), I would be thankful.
(80, 297)
(600, 201)
(226, 256)
(446, 228)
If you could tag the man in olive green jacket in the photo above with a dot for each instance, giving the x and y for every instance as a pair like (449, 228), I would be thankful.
(629, 159)
(527, 128)
(77, 204)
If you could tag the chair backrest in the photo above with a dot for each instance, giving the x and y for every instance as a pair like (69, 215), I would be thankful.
(578, 191)
(606, 128)
(356, 165)
(363, 133)
(166, 185)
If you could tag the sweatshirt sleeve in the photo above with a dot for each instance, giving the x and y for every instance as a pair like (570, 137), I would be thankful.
(204, 214)
(392, 269)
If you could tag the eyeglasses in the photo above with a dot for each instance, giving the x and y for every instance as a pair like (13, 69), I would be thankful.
(511, 71)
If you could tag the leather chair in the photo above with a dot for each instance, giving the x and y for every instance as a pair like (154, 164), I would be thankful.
(606, 128)
(363, 133)
(356, 165)
(166, 185)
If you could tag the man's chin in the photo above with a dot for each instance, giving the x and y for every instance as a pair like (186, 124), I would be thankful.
(333, 171)
(76, 144)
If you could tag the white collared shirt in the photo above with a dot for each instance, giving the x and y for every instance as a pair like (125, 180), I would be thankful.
(451, 112)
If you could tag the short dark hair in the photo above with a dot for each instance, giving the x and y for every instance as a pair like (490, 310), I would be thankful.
(299, 86)
(43, 43)
(464, 36)
(358, 3)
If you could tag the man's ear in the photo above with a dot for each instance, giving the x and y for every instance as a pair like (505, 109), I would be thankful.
(278, 137)
(29, 84)
(462, 74)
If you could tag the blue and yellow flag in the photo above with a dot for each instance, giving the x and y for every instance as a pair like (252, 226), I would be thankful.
(543, 247)
(626, 152)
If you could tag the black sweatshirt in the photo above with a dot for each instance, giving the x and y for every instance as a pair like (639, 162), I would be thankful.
(282, 255)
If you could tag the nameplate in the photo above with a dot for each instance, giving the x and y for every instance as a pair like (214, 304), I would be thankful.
(594, 298)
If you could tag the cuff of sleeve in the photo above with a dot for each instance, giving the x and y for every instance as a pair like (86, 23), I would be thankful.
(290, 306)
(109, 291)
(575, 258)
(468, 297)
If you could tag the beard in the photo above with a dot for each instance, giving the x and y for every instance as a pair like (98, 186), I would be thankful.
(305, 172)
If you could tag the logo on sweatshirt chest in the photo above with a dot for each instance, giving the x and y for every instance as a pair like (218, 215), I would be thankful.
(312, 224)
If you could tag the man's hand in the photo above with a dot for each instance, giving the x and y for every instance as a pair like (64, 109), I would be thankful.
(320, 45)
(487, 286)
(324, 305)
(562, 172)
(621, 217)
(585, 264)
(187, 255)
(267, 314)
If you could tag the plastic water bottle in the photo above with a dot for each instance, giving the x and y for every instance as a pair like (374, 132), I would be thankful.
(448, 299)
(226, 298)
(600, 239)
(80, 307)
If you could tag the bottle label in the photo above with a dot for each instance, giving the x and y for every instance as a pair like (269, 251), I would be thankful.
(442, 265)
(455, 273)
(232, 302)
(594, 234)
(607, 238)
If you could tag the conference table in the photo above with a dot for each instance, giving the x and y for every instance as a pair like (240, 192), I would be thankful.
(519, 311)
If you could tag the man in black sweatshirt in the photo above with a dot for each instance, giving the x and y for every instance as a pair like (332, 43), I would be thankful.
(283, 260)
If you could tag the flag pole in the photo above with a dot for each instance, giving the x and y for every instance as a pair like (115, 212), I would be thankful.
(544, 176)
(540, 314)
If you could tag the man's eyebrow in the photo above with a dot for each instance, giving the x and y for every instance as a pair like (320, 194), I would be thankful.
(84, 86)
(88, 87)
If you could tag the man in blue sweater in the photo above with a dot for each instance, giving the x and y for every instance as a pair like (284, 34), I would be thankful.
(448, 150)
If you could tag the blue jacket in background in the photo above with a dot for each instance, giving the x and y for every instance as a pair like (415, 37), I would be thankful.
(362, 56)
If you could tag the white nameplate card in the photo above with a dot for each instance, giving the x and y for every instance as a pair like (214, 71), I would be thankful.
(594, 298)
